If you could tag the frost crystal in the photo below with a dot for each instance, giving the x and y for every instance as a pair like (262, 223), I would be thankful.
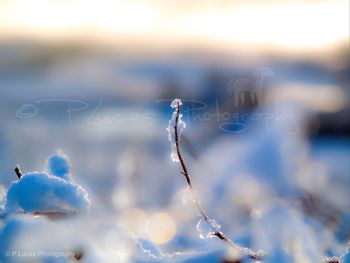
(181, 125)
(207, 228)
(253, 254)
(187, 197)
(175, 103)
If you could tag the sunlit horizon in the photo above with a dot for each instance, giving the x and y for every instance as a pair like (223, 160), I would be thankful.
(285, 26)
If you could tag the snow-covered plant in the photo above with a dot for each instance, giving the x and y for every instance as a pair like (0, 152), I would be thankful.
(29, 205)
(44, 193)
(206, 226)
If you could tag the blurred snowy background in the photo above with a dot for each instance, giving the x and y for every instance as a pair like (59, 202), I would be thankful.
(95, 79)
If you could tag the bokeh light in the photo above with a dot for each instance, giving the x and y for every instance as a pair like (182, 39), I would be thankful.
(161, 228)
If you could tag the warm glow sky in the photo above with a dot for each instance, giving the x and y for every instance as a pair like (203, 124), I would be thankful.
(292, 25)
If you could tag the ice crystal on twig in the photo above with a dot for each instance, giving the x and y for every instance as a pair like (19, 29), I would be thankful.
(187, 197)
(176, 103)
(250, 253)
(331, 260)
(181, 125)
(207, 228)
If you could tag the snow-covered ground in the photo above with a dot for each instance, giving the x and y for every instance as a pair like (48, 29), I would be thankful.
(98, 183)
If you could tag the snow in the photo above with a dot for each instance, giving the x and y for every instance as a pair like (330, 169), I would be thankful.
(241, 189)
(16, 247)
(251, 253)
(176, 103)
(43, 193)
(58, 166)
(290, 229)
(57, 240)
(345, 257)
(2, 196)
(181, 125)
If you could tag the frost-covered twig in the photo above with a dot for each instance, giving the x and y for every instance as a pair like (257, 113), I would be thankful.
(342, 258)
(175, 129)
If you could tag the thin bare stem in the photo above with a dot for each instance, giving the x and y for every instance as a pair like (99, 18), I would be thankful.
(184, 168)
(218, 234)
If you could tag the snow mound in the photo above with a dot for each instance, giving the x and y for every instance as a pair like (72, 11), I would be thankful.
(58, 165)
(43, 193)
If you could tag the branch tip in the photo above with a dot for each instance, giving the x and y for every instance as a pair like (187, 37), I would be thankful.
(18, 171)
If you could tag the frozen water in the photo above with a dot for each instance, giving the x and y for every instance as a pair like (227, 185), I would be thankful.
(187, 197)
(181, 125)
(207, 228)
(43, 193)
(283, 225)
(58, 166)
(14, 246)
(252, 254)
(175, 103)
